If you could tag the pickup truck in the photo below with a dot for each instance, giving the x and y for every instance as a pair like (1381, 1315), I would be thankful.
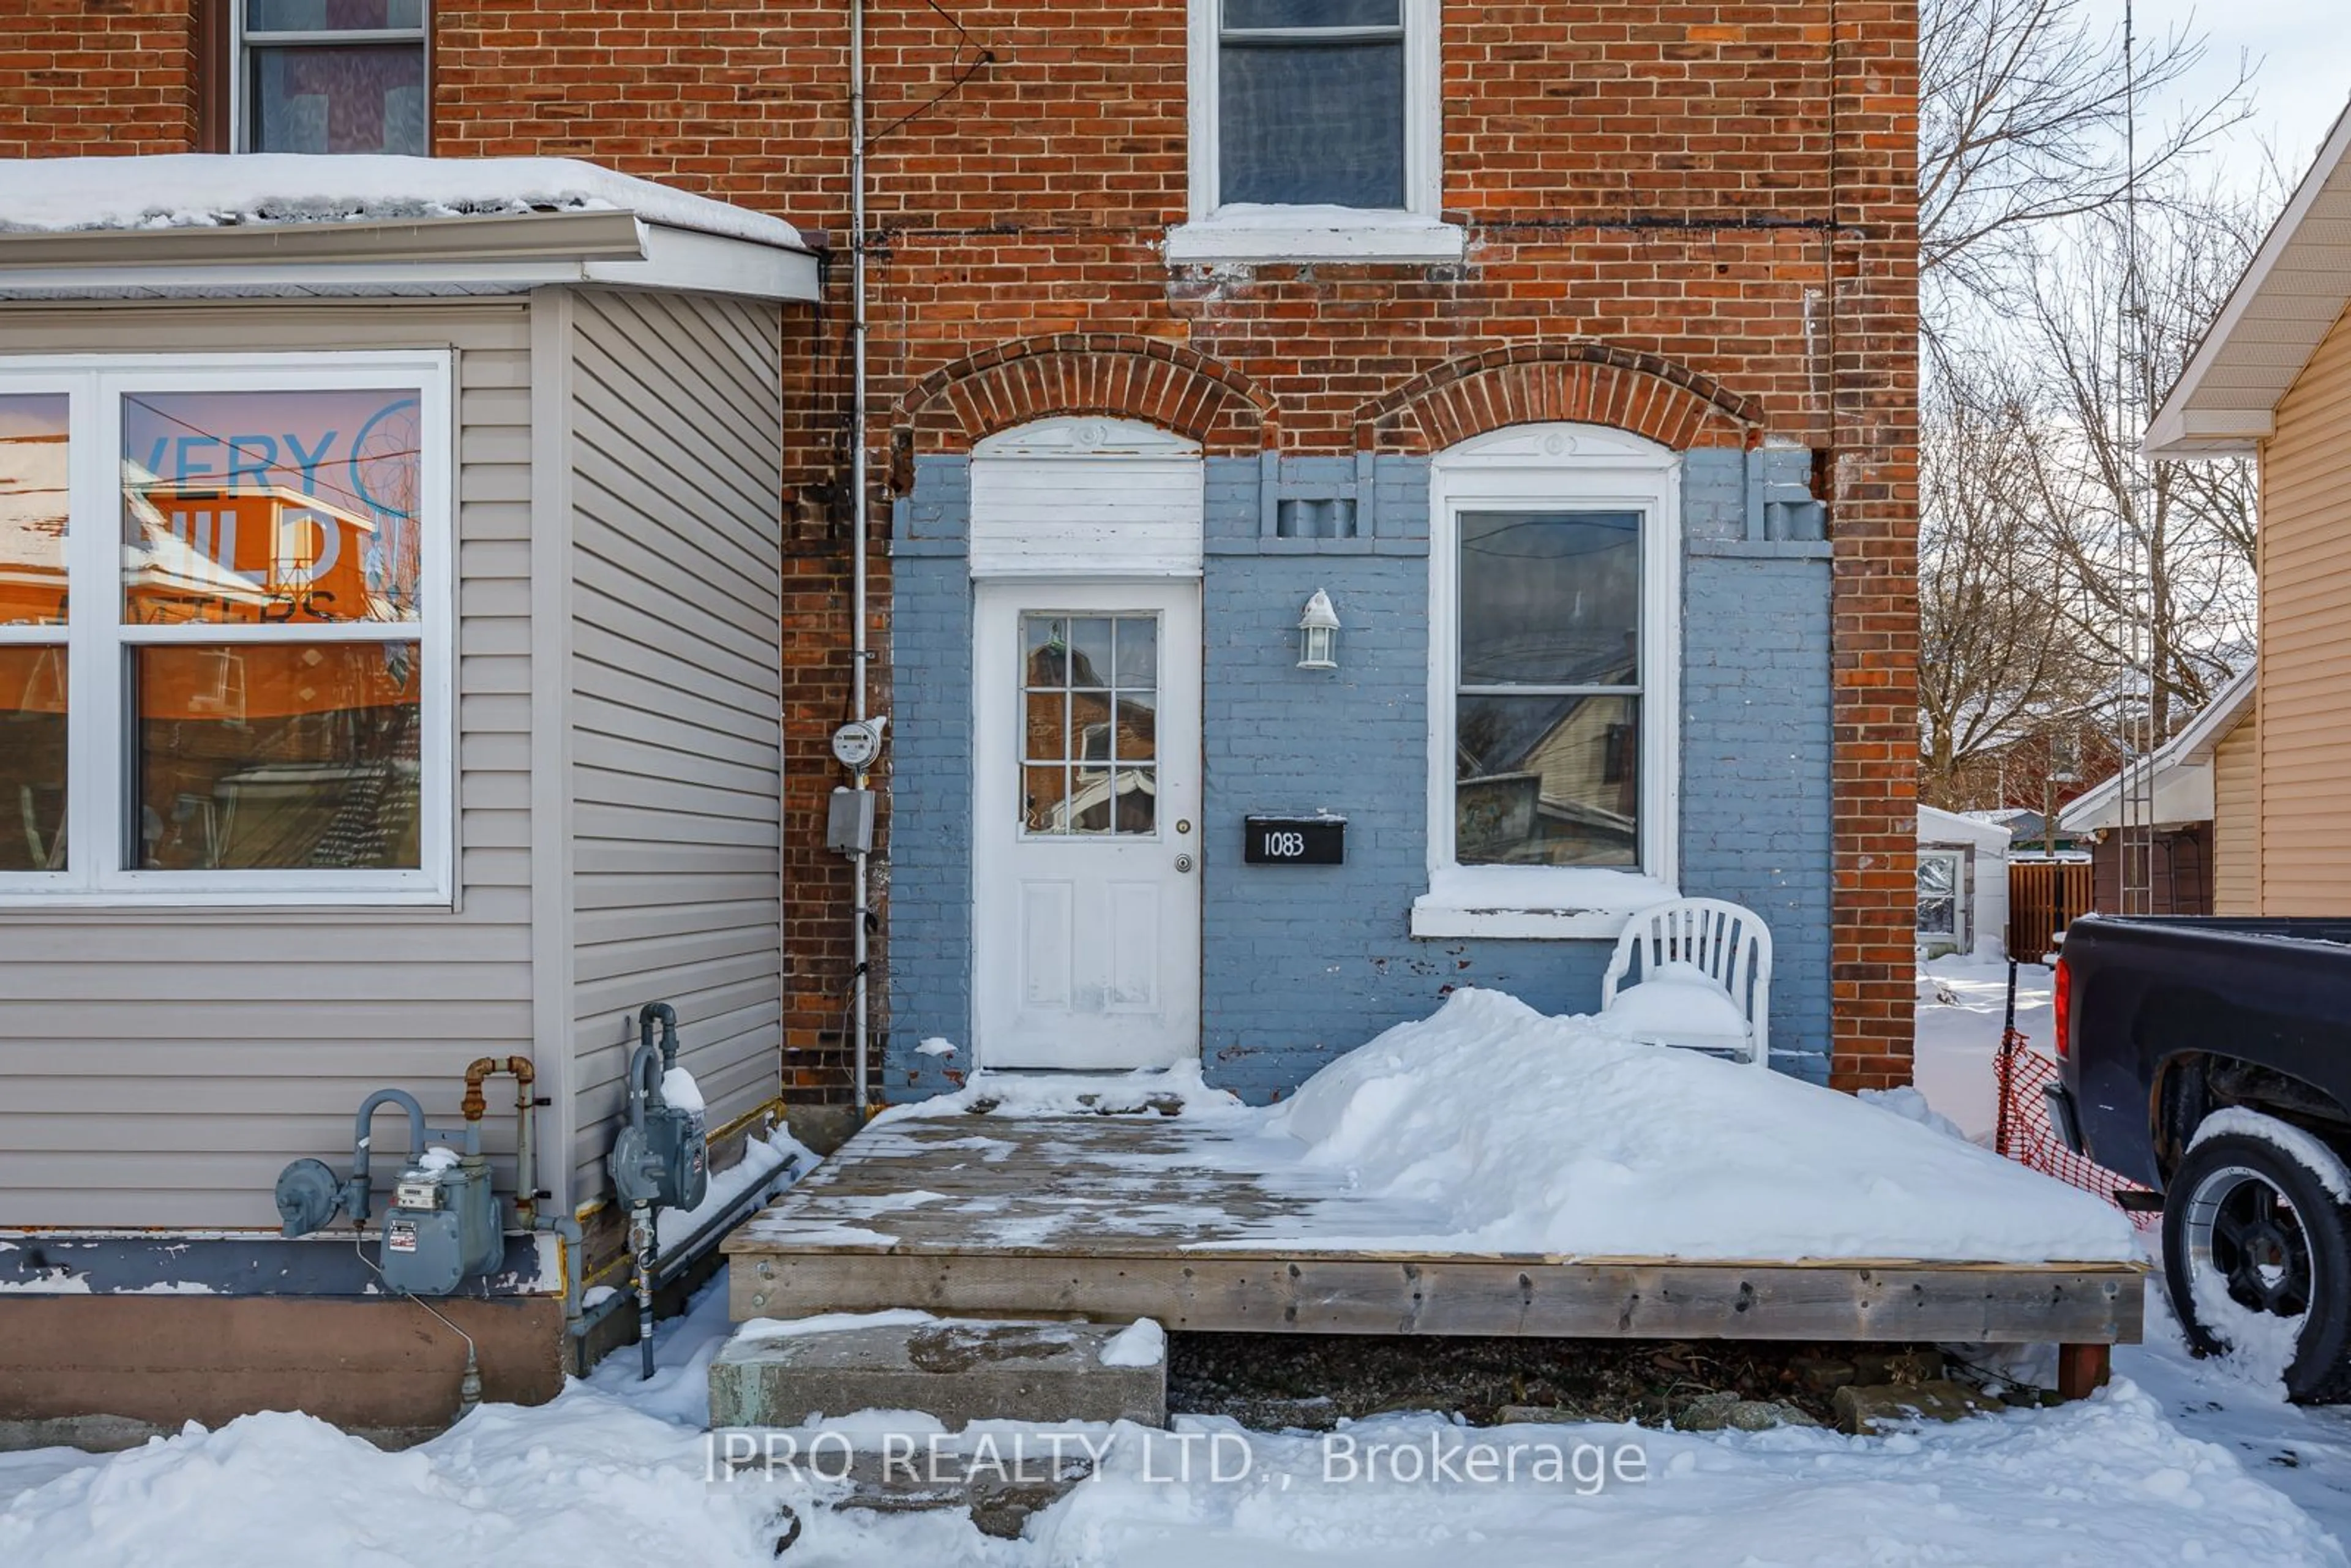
(2209, 1060)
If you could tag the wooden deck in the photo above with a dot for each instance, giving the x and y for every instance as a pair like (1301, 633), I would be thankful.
(1208, 1228)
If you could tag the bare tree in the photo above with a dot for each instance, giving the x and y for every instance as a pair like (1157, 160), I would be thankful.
(2000, 663)
(2156, 559)
(2023, 105)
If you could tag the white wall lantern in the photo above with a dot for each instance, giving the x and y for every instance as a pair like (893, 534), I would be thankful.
(1317, 632)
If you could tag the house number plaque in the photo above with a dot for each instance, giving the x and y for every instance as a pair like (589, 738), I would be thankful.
(1294, 841)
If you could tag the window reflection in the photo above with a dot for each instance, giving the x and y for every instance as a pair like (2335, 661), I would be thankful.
(1089, 724)
(33, 495)
(1547, 754)
(270, 508)
(262, 756)
(32, 758)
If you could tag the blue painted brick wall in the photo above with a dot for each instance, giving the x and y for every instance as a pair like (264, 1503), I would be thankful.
(1755, 769)
(929, 868)
(1301, 964)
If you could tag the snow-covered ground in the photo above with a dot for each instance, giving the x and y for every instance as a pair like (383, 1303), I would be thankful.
(1960, 1004)
(2177, 1461)
(615, 1471)
(2305, 1453)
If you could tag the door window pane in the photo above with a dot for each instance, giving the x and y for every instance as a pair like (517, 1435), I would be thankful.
(32, 758)
(1089, 724)
(1547, 780)
(275, 755)
(354, 97)
(1550, 599)
(33, 496)
(271, 507)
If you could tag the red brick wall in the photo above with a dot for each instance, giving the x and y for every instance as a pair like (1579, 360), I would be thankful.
(97, 76)
(1712, 202)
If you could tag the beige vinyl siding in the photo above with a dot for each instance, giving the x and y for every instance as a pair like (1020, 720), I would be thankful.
(2236, 875)
(676, 605)
(157, 1068)
(2305, 775)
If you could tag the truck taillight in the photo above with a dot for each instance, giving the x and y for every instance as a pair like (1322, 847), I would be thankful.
(2064, 1009)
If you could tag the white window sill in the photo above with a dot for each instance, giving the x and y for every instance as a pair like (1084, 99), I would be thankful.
(325, 901)
(1253, 233)
(1535, 902)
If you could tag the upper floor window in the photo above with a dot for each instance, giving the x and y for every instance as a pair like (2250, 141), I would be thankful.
(1310, 102)
(331, 76)
(1314, 132)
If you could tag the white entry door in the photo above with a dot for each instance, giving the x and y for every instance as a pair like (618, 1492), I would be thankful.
(1086, 874)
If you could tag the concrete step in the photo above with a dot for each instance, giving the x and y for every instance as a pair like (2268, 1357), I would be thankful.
(959, 1370)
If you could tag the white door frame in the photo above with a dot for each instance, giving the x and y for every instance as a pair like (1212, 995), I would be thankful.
(1014, 1023)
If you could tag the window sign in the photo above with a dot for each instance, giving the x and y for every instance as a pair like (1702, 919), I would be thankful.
(270, 641)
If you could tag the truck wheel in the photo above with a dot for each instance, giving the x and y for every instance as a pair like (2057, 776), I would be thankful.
(2247, 1222)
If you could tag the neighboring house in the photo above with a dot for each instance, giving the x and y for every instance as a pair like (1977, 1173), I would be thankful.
(1567, 351)
(2272, 380)
(2028, 833)
(388, 679)
(2201, 822)
(1962, 885)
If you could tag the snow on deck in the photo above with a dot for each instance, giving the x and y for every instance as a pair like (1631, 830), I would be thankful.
(1488, 1130)
(208, 190)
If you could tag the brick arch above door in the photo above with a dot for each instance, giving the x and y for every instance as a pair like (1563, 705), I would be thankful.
(1581, 382)
(1115, 375)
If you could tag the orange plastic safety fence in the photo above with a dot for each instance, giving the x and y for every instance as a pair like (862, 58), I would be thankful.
(2027, 1135)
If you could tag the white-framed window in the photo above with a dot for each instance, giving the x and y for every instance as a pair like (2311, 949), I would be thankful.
(1315, 132)
(331, 75)
(226, 619)
(1554, 682)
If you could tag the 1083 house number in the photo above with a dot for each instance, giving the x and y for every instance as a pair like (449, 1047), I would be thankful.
(1294, 841)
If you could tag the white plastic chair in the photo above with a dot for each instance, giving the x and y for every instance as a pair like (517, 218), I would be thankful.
(1728, 942)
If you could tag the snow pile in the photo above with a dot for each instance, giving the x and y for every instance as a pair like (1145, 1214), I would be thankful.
(680, 1090)
(937, 1045)
(775, 1161)
(1911, 1106)
(1179, 1088)
(1535, 1134)
(1678, 1001)
(210, 191)
(1141, 1342)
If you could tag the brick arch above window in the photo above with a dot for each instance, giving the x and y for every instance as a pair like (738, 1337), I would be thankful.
(1588, 383)
(1116, 375)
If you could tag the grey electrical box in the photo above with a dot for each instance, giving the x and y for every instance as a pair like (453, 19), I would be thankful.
(443, 1226)
(848, 825)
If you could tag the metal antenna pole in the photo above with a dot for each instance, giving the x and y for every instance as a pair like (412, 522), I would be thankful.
(2135, 792)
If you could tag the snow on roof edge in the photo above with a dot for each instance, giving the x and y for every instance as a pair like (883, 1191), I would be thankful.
(2206, 730)
(205, 190)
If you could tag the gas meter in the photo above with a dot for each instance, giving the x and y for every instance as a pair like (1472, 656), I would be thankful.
(662, 1156)
(443, 1224)
(443, 1221)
